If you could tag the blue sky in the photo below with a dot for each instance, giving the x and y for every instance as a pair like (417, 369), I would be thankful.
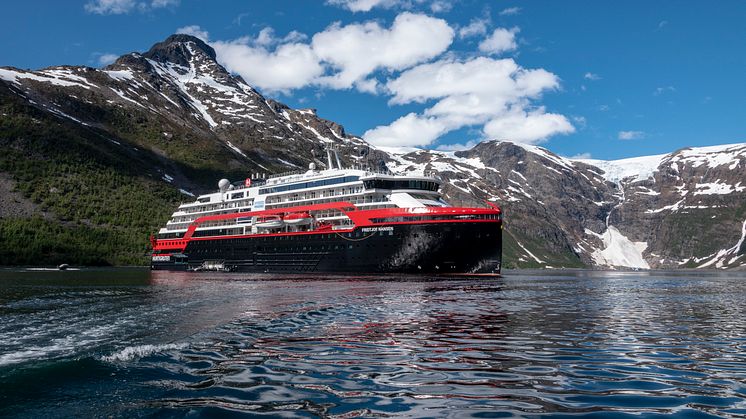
(609, 80)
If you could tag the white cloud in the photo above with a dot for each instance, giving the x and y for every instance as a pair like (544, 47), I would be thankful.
(489, 77)
(268, 38)
(113, 7)
(581, 156)
(117, 7)
(356, 50)
(288, 66)
(368, 86)
(494, 97)
(630, 135)
(340, 57)
(591, 76)
(106, 59)
(510, 11)
(364, 5)
(194, 30)
(441, 6)
(500, 41)
(409, 130)
(481, 91)
(527, 126)
(164, 3)
(435, 6)
(476, 27)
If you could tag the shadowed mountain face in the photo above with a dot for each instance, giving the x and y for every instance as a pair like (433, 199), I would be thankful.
(104, 154)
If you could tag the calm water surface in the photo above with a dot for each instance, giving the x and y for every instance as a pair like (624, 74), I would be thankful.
(131, 343)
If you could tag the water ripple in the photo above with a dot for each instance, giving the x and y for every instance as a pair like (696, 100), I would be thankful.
(575, 344)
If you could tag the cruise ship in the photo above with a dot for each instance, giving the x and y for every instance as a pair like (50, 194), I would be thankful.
(340, 220)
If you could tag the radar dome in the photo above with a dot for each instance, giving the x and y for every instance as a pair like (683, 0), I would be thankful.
(312, 166)
(223, 185)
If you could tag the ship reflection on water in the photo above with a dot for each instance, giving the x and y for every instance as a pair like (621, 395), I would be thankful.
(526, 344)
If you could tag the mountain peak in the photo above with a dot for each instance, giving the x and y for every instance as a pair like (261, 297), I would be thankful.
(178, 49)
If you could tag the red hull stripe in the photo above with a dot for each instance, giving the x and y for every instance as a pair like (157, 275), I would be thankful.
(360, 218)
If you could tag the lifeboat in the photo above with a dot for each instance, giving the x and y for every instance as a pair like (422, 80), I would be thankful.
(269, 221)
(298, 218)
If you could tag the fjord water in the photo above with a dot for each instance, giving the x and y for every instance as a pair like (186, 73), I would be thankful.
(131, 343)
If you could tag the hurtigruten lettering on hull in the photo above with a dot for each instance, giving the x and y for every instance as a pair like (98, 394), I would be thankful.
(333, 220)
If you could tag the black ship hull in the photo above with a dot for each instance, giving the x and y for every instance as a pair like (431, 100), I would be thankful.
(448, 248)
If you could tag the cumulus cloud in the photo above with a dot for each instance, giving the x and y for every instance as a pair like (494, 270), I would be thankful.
(409, 130)
(630, 135)
(364, 5)
(117, 7)
(527, 126)
(266, 61)
(194, 30)
(441, 6)
(481, 91)
(500, 41)
(357, 50)
(496, 97)
(476, 27)
(106, 59)
(339, 57)
(281, 68)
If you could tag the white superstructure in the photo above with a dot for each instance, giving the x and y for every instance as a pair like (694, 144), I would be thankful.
(363, 188)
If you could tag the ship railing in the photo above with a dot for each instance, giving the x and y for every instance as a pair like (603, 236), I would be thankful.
(290, 173)
(427, 173)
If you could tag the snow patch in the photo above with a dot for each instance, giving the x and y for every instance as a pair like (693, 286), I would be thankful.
(120, 75)
(673, 208)
(637, 168)
(236, 149)
(714, 156)
(619, 250)
(55, 78)
(716, 188)
(720, 258)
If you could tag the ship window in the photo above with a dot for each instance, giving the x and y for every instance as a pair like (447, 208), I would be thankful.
(423, 185)
(305, 185)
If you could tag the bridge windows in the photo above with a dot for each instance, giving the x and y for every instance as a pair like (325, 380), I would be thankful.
(424, 185)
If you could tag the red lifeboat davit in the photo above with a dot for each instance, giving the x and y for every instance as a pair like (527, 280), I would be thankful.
(298, 218)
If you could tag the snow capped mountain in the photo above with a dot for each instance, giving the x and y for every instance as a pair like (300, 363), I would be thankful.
(620, 213)
(175, 111)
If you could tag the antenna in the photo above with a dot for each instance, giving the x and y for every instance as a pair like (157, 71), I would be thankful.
(339, 164)
(329, 159)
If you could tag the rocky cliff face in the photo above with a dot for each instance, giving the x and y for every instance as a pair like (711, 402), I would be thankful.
(173, 117)
(686, 209)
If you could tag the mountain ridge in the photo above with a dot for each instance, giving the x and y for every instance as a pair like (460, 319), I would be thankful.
(173, 120)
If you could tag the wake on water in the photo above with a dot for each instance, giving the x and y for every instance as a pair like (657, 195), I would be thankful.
(139, 351)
